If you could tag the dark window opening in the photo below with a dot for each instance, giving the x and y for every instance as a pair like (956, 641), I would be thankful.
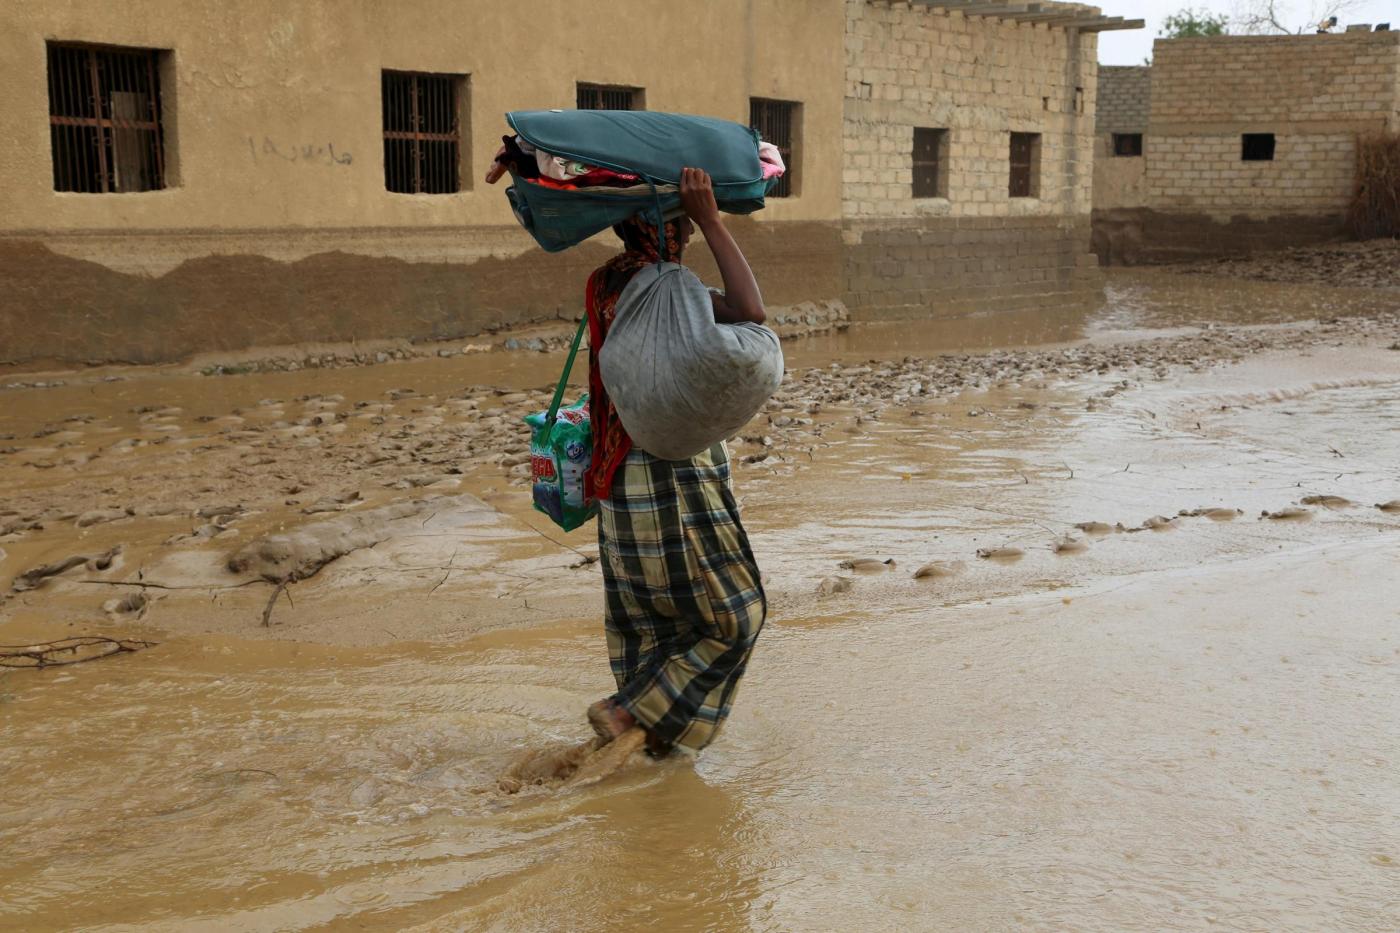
(1025, 165)
(422, 132)
(1257, 147)
(779, 122)
(930, 163)
(610, 97)
(104, 119)
(1127, 144)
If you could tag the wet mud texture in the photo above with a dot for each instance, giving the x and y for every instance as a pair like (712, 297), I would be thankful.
(1371, 264)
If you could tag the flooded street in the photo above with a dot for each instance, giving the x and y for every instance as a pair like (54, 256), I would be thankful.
(1165, 699)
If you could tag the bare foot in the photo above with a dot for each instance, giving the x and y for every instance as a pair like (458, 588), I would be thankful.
(608, 759)
(609, 720)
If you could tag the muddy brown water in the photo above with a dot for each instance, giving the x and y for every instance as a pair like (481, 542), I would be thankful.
(1180, 727)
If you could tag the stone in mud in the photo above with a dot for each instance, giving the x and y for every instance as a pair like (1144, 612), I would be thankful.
(102, 516)
(936, 569)
(1292, 512)
(1000, 553)
(1327, 502)
(299, 554)
(833, 585)
(1158, 523)
(1392, 506)
(867, 565)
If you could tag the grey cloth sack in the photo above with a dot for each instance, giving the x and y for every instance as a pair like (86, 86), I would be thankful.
(680, 381)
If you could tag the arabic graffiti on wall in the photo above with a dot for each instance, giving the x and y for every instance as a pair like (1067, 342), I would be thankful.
(306, 154)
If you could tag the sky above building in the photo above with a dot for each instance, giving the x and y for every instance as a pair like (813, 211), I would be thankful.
(1131, 47)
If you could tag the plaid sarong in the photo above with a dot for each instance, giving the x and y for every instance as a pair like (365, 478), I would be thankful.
(684, 600)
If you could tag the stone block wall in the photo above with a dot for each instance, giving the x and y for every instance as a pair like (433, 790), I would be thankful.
(1198, 196)
(1314, 93)
(1124, 98)
(981, 79)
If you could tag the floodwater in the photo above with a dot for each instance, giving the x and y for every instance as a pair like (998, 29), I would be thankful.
(1184, 726)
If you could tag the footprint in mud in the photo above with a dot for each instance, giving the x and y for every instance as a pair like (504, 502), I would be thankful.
(938, 569)
(867, 565)
(1006, 553)
(1291, 513)
(1215, 515)
(1327, 502)
(1099, 528)
(571, 765)
(1068, 544)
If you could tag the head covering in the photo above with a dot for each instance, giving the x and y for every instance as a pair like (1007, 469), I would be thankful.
(643, 247)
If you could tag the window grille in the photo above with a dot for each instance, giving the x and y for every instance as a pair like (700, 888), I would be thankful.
(1127, 144)
(609, 97)
(104, 119)
(422, 132)
(930, 163)
(1025, 165)
(778, 122)
(1257, 147)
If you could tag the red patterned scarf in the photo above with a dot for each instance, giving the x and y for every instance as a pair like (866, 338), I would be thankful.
(610, 441)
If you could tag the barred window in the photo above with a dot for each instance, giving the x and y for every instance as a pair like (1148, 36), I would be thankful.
(1025, 165)
(930, 163)
(609, 97)
(104, 119)
(1127, 144)
(422, 132)
(780, 123)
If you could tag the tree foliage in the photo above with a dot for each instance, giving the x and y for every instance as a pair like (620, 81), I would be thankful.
(1193, 24)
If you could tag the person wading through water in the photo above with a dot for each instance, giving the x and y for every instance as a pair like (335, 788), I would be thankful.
(684, 599)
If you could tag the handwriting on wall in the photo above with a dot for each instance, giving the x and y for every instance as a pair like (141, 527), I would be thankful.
(306, 154)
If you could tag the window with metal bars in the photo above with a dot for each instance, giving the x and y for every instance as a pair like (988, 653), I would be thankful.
(609, 97)
(422, 132)
(780, 123)
(1025, 165)
(930, 163)
(104, 119)
(1127, 144)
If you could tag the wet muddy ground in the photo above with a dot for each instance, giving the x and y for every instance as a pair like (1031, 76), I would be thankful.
(1160, 700)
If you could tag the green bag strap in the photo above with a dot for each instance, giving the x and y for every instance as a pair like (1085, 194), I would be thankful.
(549, 421)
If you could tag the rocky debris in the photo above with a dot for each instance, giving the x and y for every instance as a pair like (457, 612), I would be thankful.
(1369, 264)
(296, 555)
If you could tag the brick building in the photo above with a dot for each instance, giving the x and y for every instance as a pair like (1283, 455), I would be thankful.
(1236, 143)
(183, 176)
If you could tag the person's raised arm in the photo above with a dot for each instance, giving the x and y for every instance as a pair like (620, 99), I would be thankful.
(741, 300)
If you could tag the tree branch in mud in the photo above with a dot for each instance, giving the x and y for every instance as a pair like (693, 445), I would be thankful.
(75, 650)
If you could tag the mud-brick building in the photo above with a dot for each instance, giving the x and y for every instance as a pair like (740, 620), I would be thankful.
(180, 176)
(1237, 143)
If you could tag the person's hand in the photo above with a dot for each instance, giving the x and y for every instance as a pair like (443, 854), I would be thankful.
(698, 196)
(498, 168)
